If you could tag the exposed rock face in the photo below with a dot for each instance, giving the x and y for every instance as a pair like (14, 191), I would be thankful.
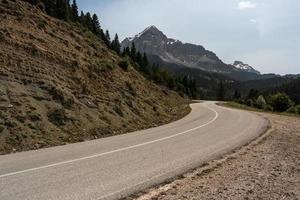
(154, 42)
(245, 67)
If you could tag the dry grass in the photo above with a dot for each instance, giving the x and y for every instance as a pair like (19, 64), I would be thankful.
(59, 85)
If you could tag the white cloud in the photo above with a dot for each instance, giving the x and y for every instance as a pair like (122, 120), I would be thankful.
(243, 5)
(254, 21)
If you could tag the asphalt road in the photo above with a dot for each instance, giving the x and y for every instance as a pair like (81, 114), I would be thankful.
(114, 167)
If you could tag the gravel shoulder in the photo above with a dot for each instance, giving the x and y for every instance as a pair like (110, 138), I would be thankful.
(268, 168)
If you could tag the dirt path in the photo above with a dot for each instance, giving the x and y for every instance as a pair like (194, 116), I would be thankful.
(266, 169)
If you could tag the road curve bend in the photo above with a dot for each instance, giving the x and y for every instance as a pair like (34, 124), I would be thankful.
(115, 167)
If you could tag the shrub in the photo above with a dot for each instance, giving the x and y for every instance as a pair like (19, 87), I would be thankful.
(130, 88)
(268, 108)
(101, 67)
(294, 110)
(240, 101)
(261, 102)
(281, 102)
(124, 65)
(58, 95)
(119, 111)
(1, 128)
(109, 66)
(42, 24)
(249, 102)
(298, 109)
(35, 117)
(58, 117)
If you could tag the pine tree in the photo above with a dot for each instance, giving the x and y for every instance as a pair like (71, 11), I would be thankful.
(133, 52)
(193, 88)
(82, 18)
(116, 46)
(145, 60)
(107, 35)
(221, 92)
(50, 7)
(185, 81)
(88, 21)
(139, 59)
(126, 51)
(171, 82)
(96, 28)
(66, 10)
(154, 72)
(69, 11)
(106, 38)
(253, 94)
(62, 11)
(237, 95)
(74, 11)
(103, 37)
(58, 9)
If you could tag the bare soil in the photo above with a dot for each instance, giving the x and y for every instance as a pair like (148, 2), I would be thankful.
(268, 168)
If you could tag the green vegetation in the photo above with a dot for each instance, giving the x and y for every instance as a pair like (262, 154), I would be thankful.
(57, 117)
(292, 89)
(159, 74)
(242, 106)
(115, 44)
(124, 65)
(279, 102)
(261, 102)
(63, 10)
(42, 24)
(221, 92)
(1, 128)
(294, 110)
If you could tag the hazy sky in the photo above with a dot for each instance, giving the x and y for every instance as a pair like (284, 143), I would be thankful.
(262, 33)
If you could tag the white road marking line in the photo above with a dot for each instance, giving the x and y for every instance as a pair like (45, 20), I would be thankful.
(114, 151)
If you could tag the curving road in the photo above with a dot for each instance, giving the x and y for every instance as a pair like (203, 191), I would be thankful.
(114, 167)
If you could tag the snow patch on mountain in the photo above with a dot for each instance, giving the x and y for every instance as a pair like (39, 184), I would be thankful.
(245, 67)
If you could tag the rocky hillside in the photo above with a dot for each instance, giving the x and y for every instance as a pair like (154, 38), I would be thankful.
(154, 42)
(59, 85)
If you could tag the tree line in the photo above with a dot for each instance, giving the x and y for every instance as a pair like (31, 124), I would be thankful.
(64, 10)
(160, 74)
(69, 12)
(276, 101)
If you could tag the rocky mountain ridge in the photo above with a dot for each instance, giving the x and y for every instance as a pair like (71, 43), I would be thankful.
(155, 43)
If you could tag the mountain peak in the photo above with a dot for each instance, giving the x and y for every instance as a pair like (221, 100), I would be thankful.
(245, 67)
(155, 43)
(167, 50)
(153, 30)
(152, 27)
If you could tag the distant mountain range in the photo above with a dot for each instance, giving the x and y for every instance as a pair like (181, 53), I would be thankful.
(174, 53)
(204, 66)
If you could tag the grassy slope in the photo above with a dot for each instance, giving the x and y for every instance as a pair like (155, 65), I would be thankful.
(244, 107)
(60, 85)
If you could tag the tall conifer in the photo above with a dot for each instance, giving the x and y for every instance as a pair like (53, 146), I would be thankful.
(74, 11)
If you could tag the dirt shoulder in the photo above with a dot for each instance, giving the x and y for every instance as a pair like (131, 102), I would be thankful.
(268, 168)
